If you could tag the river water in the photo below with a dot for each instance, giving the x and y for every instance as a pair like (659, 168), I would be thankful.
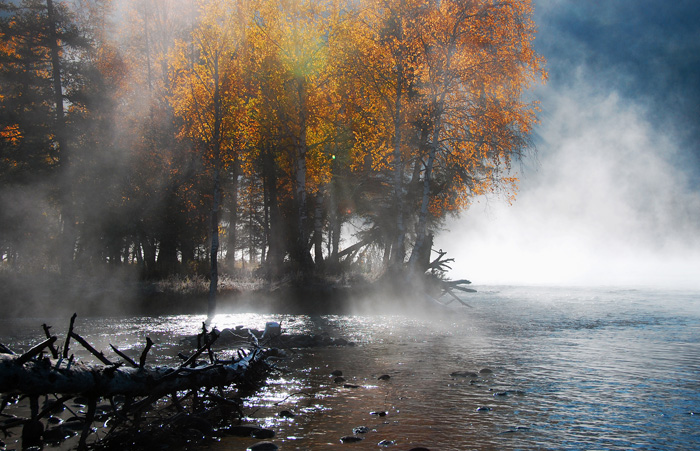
(555, 368)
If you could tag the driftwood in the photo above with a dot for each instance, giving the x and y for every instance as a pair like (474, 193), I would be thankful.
(132, 388)
(438, 267)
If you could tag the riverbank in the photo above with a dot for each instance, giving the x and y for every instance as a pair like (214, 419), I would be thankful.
(119, 294)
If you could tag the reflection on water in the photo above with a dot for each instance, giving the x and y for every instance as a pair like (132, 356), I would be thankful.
(569, 369)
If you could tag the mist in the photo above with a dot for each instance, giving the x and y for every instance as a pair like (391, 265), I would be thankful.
(611, 195)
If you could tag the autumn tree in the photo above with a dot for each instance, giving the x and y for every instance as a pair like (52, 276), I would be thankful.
(476, 59)
(439, 115)
(208, 97)
(294, 40)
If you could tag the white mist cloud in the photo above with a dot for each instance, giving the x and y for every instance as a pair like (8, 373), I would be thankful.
(605, 203)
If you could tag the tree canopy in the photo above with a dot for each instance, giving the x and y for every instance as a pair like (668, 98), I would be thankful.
(293, 135)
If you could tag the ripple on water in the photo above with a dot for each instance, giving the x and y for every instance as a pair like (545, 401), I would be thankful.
(580, 368)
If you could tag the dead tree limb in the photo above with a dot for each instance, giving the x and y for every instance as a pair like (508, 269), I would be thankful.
(126, 358)
(100, 356)
(142, 360)
(35, 351)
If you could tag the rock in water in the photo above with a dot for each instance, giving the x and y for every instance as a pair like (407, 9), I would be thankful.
(239, 431)
(286, 414)
(360, 430)
(263, 446)
(463, 374)
(262, 433)
(350, 439)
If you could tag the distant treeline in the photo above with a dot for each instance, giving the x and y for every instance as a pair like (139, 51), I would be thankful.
(170, 133)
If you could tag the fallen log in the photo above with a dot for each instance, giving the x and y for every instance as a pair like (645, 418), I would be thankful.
(138, 387)
(45, 376)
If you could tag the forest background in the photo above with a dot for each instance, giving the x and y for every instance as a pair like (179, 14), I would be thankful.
(141, 140)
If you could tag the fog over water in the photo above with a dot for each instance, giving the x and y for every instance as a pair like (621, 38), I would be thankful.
(612, 195)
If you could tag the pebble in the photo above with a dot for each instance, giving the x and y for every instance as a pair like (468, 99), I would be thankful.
(360, 430)
(262, 433)
(485, 371)
(351, 386)
(350, 439)
(54, 420)
(501, 393)
(384, 377)
(483, 409)
(286, 414)
(263, 446)
(336, 373)
(380, 413)
(339, 380)
(57, 435)
(239, 431)
(387, 443)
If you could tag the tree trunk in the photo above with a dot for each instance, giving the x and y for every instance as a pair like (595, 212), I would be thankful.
(421, 229)
(275, 255)
(303, 257)
(318, 229)
(233, 218)
(67, 213)
(216, 142)
(399, 245)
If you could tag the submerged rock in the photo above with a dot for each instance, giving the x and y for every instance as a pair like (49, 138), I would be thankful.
(360, 430)
(463, 374)
(384, 377)
(387, 443)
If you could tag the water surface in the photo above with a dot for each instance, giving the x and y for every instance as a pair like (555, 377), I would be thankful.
(569, 368)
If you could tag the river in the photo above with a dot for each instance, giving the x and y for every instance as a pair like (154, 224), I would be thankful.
(554, 368)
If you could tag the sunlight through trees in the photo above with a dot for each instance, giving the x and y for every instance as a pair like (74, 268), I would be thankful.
(280, 136)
